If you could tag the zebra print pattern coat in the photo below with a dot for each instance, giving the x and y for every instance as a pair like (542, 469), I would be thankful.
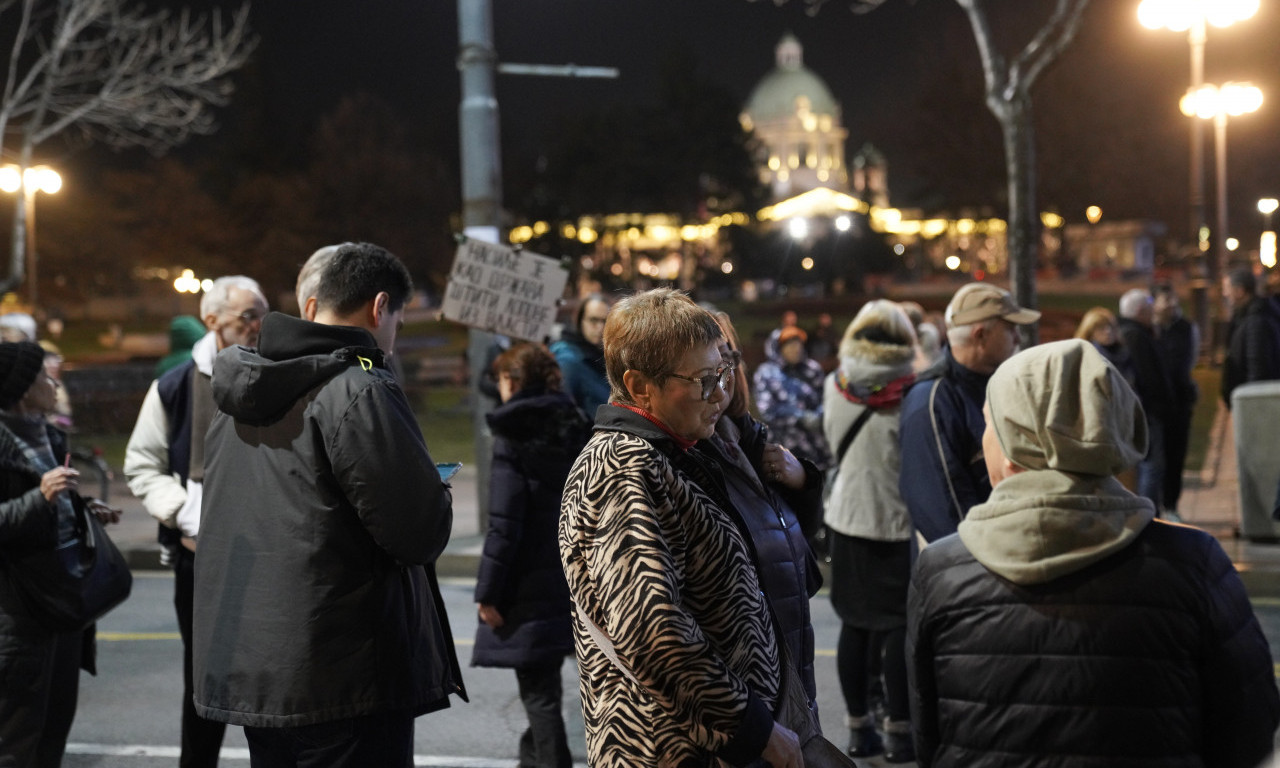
(655, 558)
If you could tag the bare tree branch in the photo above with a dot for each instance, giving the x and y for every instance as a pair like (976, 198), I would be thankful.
(119, 74)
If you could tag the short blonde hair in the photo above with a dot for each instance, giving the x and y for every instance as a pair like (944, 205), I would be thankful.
(1092, 320)
(649, 333)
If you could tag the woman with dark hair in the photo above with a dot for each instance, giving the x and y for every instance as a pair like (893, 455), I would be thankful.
(520, 589)
(580, 354)
(39, 667)
(677, 654)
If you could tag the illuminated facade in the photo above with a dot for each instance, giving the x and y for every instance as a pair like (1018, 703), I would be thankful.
(798, 125)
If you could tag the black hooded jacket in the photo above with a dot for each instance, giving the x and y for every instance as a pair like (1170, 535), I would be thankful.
(323, 515)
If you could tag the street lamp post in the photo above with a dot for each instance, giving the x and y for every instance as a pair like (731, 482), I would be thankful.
(38, 178)
(1194, 17)
(1210, 102)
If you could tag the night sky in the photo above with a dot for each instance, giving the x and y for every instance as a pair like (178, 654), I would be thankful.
(908, 76)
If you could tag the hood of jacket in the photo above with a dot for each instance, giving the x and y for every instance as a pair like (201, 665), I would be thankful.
(540, 417)
(866, 363)
(1068, 419)
(294, 356)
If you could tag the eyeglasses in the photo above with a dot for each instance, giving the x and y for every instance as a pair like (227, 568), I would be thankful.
(713, 380)
(250, 316)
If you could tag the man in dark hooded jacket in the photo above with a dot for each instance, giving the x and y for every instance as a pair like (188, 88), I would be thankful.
(319, 626)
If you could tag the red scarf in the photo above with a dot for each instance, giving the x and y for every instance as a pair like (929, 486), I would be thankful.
(883, 396)
(683, 444)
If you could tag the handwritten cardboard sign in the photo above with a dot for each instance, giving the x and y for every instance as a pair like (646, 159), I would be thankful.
(496, 289)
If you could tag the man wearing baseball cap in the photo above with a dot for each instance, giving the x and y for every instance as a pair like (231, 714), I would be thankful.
(943, 473)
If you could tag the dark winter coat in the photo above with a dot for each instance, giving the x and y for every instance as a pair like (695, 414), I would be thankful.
(323, 515)
(1150, 656)
(1253, 345)
(1180, 343)
(940, 434)
(1151, 370)
(537, 437)
(776, 520)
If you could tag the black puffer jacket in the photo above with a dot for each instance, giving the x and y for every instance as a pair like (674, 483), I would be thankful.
(1151, 656)
(776, 518)
(1253, 345)
(537, 437)
(323, 515)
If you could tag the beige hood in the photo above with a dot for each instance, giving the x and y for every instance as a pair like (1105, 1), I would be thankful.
(1068, 418)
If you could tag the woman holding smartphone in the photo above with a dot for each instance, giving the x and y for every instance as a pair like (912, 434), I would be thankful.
(39, 667)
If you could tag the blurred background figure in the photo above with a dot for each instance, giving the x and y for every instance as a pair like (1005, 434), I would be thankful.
(778, 498)
(1253, 335)
(184, 332)
(1152, 383)
(869, 524)
(39, 667)
(1100, 328)
(60, 416)
(823, 343)
(928, 337)
(17, 326)
(522, 596)
(580, 354)
(789, 320)
(1179, 340)
(788, 391)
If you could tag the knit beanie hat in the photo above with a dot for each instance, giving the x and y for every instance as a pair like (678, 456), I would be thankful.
(20, 363)
(1062, 406)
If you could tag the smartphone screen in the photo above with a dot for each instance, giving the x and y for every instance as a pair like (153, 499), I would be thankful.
(448, 469)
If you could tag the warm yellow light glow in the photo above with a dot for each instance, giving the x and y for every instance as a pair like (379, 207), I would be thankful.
(587, 235)
(1210, 101)
(1267, 251)
(1051, 219)
(798, 229)
(541, 228)
(933, 227)
(38, 178)
(843, 223)
(1268, 205)
(1093, 213)
(1232, 244)
(726, 267)
(806, 263)
(569, 232)
(953, 262)
(187, 282)
(774, 163)
(1182, 15)
(520, 234)
(616, 270)
(965, 226)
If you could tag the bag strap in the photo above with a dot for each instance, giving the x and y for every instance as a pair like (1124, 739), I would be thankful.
(854, 429)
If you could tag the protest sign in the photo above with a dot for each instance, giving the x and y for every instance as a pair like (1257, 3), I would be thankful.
(495, 289)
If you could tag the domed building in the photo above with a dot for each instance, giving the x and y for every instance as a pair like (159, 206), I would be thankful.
(797, 122)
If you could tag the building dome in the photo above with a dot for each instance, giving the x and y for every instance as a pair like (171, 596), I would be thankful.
(797, 126)
(788, 87)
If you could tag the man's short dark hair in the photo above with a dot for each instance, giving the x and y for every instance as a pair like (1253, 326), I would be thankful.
(1242, 278)
(357, 273)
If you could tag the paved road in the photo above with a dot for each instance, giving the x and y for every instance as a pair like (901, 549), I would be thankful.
(128, 715)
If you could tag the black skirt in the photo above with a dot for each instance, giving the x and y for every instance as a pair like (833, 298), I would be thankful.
(869, 581)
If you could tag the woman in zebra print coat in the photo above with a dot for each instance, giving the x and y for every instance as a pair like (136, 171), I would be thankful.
(678, 660)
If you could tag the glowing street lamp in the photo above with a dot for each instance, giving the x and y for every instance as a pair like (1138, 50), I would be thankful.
(37, 178)
(1267, 247)
(1194, 17)
(1210, 102)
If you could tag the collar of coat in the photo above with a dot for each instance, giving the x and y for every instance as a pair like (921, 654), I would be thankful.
(618, 417)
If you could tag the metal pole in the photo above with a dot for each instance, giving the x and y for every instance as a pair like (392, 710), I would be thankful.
(1198, 235)
(481, 199)
(1220, 152)
(29, 196)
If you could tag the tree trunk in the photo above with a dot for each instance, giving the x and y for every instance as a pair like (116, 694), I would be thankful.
(1023, 233)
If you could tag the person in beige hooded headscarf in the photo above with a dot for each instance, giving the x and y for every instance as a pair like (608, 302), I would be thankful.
(1062, 621)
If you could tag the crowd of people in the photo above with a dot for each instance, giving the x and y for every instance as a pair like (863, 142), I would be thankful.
(1003, 597)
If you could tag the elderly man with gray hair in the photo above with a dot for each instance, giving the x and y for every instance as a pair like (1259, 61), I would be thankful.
(164, 462)
(1153, 381)
(941, 423)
